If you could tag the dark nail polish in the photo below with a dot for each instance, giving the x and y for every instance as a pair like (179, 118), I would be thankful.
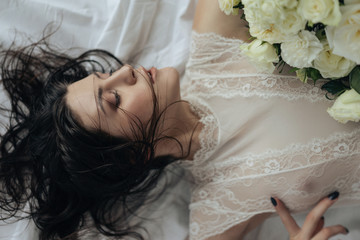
(273, 201)
(334, 195)
(322, 218)
(347, 230)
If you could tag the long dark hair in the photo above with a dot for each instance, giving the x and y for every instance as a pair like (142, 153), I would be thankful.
(62, 170)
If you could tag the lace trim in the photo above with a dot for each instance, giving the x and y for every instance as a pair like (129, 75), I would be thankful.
(260, 85)
(214, 37)
(220, 200)
(209, 135)
(216, 68)
(291, 158)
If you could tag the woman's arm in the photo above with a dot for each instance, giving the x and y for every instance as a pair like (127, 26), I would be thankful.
(209, 18)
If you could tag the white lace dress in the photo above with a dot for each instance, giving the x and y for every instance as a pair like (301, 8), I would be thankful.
(264, 135)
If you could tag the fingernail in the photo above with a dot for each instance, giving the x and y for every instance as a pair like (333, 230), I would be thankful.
(334, 195)
(347, 230)
(273, 201)
(322, 218)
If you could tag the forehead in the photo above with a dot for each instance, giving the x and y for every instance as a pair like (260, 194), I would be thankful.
(81, 99)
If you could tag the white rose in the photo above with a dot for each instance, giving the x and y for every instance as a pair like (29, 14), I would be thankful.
(250, 10)
(292, 23)
(289, 4)
(270, 10)
(227, 6)
(346, 107)
(331, 65)
(247, 1)
(271, 21)
(347, 2)
(262, 11)
(261, 53)
(267, 32)
(344, 39)
(301, 49)
(324, 11)
(254, 10)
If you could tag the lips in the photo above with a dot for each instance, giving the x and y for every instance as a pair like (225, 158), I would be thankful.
(152, 72)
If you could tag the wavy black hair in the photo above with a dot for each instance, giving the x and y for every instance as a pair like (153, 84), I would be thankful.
(62, 170)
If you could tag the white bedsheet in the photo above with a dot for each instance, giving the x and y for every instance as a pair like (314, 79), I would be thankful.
(141, 32)
(145, 32)
(149, 32)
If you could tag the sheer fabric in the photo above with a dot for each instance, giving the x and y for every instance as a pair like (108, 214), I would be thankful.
(263, 135)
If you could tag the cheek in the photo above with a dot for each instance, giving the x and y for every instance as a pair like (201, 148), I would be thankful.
(142, 107)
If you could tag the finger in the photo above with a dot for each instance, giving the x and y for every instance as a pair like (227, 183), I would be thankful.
(319, 226)
(288, 221)
(328, 232)
(316, 213)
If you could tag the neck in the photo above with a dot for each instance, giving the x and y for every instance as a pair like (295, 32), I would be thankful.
(183, 129)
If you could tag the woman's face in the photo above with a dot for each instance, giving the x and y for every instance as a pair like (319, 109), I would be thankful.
(113, 102)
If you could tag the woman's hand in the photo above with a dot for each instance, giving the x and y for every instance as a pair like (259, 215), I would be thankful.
(313, 227)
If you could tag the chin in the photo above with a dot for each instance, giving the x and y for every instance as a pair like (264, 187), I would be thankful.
(172, 73)
(168, 76)
(168, 85)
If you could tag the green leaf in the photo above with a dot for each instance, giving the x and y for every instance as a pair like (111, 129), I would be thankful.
(309, 25)
(354, 79)
(301, 74)
(320, 34)
(314, 27)
(252, 38)
(313, 73)
(277, 48)
(294, 69)
(240, 5)
(243, 16)
(334, 87)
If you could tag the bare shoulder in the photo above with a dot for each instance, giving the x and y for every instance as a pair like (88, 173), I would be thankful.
(209, 18)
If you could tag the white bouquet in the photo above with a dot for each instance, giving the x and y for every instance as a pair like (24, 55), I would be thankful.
(320, 39)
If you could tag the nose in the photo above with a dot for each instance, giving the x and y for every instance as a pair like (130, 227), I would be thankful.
(125, 76)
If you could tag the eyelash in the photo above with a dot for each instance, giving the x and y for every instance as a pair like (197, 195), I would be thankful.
(111, 72)
(117, 99)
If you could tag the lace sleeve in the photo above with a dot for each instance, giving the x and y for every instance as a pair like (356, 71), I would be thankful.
(214, 53)
(217, 68)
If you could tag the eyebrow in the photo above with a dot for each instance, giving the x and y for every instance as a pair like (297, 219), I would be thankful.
(99, 95)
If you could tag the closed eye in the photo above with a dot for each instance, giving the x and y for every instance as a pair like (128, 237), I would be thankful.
(117, 99)
(112, 98)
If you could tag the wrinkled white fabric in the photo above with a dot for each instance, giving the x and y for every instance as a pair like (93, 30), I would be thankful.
(141, 32)
(263, 135)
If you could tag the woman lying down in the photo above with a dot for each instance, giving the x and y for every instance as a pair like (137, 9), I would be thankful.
(90, 136)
